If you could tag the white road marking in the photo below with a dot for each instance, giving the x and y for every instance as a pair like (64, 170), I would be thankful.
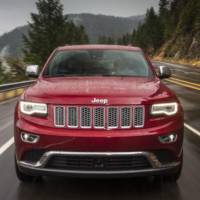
(10, 142)
(9, 101)
(192, 129)
(5, 126)
(185, 72)
(6, 145)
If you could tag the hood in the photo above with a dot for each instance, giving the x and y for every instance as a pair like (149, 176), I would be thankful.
(61, 89)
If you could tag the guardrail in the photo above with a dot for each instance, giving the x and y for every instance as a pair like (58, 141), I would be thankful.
(11, 86)
(11, 90)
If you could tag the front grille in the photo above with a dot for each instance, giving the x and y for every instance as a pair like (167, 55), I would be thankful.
(112, 117)
(72, 117)
(98, 163)
(102, 117)
(99, 117)
(126, 117)
(59, 116)
(139, 116)
(85, 117)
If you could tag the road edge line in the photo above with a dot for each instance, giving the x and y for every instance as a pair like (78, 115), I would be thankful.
(192, 129)
(9, 143)
(9, 101)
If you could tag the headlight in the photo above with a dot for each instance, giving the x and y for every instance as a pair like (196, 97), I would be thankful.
(164, 108)
(30, 108)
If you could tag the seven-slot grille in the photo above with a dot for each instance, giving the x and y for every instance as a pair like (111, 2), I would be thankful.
(86, 117)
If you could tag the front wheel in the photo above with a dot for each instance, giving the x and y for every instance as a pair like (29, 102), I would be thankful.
(175, 176)
(22, 176)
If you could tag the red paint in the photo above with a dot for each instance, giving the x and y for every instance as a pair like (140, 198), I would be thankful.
(118, 91)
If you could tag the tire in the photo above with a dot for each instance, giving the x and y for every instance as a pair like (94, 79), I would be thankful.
(158, 180)
(22, 176)
(175, 176)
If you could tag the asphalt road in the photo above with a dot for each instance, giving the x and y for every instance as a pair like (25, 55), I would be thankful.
(187, 188)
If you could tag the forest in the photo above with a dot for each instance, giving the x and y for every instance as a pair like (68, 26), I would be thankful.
(172, 33)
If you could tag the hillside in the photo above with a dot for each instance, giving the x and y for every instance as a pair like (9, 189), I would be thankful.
(95, 25)
(103, 25)
(184, 43)
(172, 34)
(13, 41)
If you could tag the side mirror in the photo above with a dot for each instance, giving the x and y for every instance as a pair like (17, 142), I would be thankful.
(32, 71)
(164, 72)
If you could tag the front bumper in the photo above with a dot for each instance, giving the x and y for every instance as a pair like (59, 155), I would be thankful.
(156, 167)
(99, 143)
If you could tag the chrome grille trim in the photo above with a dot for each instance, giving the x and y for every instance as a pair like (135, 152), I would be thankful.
(139, 114)
(99, 117)
(59, 116)
(72, 117)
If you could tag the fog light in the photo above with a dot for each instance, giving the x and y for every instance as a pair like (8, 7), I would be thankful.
(168, 138)
(29, 138)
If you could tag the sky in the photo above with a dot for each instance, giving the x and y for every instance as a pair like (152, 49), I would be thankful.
(14, 13)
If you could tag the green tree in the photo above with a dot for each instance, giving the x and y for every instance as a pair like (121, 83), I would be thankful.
(106, 40)
(176, 28)
(102, 40)
(17, 68)
(125, 39)
(163, 7)
(197, 19)
(49, 29)
(15, 73)
(1, 73)
(149, 35)
(188, 17)
(110, 40)
(139, 37)
(153, 29)
(165, 18)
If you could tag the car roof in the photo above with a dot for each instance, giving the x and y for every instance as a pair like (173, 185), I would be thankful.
(98, 47)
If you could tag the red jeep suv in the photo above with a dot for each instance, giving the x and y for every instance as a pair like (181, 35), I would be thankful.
(98, 111)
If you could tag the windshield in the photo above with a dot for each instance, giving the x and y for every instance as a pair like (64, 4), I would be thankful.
(98, 63)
